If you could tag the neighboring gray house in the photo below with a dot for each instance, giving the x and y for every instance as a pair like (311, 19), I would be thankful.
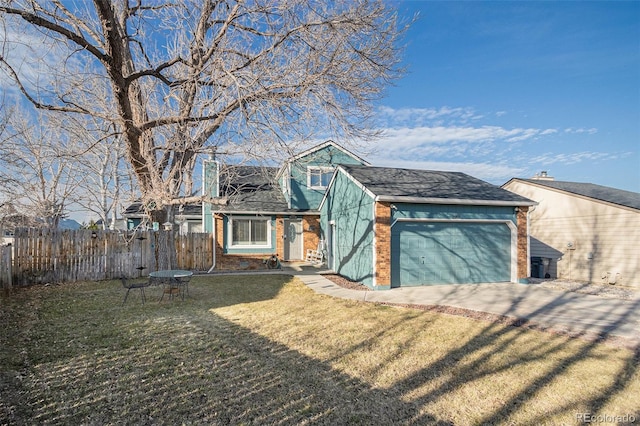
(581, 231)
(389, 227)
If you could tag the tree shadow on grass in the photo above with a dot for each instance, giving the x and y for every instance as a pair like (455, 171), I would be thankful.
(197, 370)
(174, 364)
(177, 362)
(493, 341)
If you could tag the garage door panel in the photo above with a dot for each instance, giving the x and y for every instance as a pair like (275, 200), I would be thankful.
(450, 253)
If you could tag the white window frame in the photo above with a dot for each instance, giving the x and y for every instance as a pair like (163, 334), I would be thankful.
(322, 171)
(248, 246)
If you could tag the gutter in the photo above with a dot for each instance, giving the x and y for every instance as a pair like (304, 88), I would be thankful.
(427, 200)
(263, 213)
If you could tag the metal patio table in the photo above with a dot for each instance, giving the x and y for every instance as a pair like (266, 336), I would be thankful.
(174, 281)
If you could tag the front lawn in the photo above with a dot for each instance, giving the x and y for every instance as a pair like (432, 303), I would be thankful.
(259, 350)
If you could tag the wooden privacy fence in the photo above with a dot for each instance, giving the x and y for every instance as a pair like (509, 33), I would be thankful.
(53, 255)
(5, 267)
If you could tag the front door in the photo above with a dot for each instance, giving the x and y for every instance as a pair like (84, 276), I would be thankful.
(292, 239)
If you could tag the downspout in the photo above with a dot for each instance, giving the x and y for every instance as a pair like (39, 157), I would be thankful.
(213, 236)
(212, 158)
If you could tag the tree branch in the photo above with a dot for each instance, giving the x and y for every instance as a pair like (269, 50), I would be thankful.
(69, 35)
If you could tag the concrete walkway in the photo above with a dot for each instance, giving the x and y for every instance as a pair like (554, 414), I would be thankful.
(560, 310)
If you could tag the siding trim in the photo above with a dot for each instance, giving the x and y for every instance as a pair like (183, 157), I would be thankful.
(339, 169)
(374, 246)
(267, 213)
(318, 148)
(324, 145)
(454, 201)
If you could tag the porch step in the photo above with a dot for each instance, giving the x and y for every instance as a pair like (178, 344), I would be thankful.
(303, 267)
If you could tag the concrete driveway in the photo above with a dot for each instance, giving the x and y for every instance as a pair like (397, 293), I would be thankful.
(560, 310)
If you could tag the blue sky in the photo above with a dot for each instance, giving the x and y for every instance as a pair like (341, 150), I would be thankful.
(503, 89)
(508, 89)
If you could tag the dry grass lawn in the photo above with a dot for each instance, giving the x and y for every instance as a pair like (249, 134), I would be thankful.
(256, 350)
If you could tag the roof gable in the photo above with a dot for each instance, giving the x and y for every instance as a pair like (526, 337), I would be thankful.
(429, 186)
(314, 150)
(323, 146)
(590, 190)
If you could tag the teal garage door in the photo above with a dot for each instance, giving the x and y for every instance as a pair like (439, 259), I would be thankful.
(425, 253)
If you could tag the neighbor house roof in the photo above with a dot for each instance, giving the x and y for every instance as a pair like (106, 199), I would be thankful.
(590, 190)
(430, 186)
(190, 210)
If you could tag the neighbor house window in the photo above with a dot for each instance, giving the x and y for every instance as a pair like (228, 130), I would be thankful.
(319, 177)
(250, 232)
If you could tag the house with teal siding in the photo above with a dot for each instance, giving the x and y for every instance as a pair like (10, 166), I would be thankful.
(258, 212)
(389, 227)
(305, 177)
(383, 227)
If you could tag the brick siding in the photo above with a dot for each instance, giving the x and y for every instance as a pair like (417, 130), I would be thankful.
(523, 239)
(311, 238)
(280, 237)
(382, 229)
(311, 233)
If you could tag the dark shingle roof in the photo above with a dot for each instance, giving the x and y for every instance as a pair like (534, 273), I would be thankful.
(430, 184)
(248, 188)
(246, 178)
(597, 192)
(252, 189)
(265, 200)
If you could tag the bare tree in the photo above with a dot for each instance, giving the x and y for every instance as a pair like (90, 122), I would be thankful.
(38, 177)
(98, 155)
(182, 76)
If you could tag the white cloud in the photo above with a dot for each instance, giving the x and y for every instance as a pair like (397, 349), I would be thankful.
(427, 137)
(581, 130)
(548, 132)
(36, 59)
(574, 157)
(392, 117)
(460, 139)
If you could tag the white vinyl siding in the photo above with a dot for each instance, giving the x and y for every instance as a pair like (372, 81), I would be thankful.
(604, 237)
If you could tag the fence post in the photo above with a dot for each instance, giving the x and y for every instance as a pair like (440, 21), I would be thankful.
(6, 271)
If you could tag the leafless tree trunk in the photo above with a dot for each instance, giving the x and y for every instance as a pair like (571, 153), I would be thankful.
(243, 76)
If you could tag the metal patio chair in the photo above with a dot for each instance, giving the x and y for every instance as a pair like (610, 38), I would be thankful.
(132, 285)
(185, 284)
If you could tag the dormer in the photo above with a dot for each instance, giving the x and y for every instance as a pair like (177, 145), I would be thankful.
(305, 177)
